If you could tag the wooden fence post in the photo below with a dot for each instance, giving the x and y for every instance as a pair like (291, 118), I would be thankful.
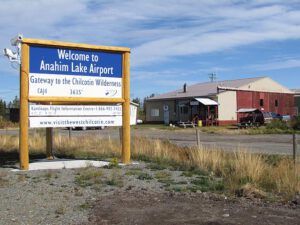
(49, 143)
(198, 137)
(120, 134)
(294, 147)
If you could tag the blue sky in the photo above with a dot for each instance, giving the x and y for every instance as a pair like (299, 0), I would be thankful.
(172, 41)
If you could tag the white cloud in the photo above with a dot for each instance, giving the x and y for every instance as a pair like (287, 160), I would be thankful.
(181, 75)
(278, 65)
(155, 30)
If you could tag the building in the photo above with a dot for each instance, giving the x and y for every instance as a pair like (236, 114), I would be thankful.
(218, 102)
(297, 100)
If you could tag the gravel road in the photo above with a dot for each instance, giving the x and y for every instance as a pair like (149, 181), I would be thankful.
(270, 144)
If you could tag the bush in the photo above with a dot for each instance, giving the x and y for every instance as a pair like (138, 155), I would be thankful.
(295, 123)
(277, 124)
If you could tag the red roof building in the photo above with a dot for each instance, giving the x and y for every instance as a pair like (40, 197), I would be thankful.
(218, 102)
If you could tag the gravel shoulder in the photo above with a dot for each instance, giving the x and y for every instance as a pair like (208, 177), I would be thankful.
(134, 194)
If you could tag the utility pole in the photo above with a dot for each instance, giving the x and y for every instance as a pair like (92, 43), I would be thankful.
(212, 77)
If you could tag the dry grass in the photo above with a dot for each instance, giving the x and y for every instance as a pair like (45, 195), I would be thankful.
(5, 124)
(239, 169)
(233, 130)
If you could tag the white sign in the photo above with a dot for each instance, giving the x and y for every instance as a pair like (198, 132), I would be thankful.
(76, 110)
(74, 86)
(194, 103)
(89, 121)
(78, 115)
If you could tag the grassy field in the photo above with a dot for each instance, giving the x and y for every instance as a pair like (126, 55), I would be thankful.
(241, 173)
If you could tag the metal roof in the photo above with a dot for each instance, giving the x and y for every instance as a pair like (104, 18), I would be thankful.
(206, 101)
(205, 89)
(297, 91)
(247, 110)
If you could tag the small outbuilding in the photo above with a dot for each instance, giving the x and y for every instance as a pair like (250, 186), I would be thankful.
(218, 102)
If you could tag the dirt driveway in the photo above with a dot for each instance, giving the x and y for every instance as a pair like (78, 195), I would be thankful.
(146, 208)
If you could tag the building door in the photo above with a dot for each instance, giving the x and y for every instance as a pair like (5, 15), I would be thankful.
(184, 113)
(166, 114)
(195, 111)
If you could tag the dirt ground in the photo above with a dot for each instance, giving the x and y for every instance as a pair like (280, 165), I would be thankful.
(171, 209)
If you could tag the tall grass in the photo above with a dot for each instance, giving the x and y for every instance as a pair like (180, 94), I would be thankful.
(238, 169)
(4, 124)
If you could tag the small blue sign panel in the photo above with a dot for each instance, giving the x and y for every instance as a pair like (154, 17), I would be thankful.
(63, 61)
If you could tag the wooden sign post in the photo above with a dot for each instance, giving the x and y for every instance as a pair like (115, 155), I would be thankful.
(23, 135)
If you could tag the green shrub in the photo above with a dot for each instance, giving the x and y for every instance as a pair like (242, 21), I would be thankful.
(277, 124)
(114, 163)
(295, 123)
(144, 176)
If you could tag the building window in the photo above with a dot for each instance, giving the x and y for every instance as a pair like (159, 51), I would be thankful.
(154, 112)
(276, 103)
(184, 110)
(261, 102)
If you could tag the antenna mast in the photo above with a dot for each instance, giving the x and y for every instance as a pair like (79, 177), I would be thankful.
(212, 77)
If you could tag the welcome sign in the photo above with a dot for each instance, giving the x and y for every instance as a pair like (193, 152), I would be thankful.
(65, 84)
(63, 72)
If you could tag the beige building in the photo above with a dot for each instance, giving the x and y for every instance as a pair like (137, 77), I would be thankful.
(218, 102)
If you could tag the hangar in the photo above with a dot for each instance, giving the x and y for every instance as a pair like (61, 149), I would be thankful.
(218, 102)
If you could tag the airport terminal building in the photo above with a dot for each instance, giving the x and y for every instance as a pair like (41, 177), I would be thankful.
(217, 103)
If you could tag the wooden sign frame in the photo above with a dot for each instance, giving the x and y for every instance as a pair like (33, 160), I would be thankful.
(25, 99)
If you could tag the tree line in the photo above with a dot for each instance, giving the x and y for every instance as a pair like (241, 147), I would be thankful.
(15, 103)
(4, 106)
